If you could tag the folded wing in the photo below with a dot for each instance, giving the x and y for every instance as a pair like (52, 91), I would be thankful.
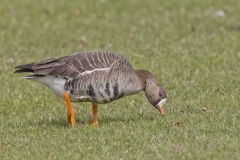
(72, 66)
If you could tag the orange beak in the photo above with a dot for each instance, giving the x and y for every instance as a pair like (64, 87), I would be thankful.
(160, 106)
(161, 110)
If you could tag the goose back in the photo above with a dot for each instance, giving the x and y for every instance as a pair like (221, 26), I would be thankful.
(73, 65)
(106, 84)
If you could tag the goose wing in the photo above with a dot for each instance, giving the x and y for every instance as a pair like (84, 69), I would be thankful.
(74, 65)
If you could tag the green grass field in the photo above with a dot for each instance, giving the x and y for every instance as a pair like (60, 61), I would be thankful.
(191, 50)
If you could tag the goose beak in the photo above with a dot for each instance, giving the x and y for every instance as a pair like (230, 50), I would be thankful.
(160, 106)
(161, 110)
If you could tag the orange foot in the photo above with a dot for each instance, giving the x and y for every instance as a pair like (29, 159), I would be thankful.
(95, 123)
(95, 117)
(71, 118)
(71, 114)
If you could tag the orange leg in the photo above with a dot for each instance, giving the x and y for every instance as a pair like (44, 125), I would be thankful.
(71, 114)
(95, 117)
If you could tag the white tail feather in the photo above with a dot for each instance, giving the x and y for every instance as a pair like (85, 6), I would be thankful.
(54, 83)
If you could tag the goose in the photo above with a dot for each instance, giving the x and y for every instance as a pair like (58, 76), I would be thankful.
(94, 76)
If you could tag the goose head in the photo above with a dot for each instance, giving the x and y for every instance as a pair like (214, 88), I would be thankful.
(155, 92)
(156, 95)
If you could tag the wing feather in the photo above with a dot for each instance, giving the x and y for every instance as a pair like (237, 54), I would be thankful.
(74, 65)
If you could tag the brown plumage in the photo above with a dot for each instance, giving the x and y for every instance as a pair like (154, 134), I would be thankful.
(71, 66)
(97, 77)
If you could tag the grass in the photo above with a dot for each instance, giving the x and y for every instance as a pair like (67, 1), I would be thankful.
(193, 52)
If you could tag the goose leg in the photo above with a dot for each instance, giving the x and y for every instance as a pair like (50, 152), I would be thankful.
(71, 114)
(94, 113)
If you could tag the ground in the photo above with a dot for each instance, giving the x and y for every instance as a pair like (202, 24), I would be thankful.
(192, 47)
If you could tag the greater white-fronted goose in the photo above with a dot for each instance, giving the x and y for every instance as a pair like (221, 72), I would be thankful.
(96, 77)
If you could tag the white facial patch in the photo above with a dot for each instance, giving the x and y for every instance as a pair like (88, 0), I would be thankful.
(160, 104)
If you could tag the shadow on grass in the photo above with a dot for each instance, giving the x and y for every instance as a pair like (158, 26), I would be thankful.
(62, 122)
(124, 119)
(59, 122)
